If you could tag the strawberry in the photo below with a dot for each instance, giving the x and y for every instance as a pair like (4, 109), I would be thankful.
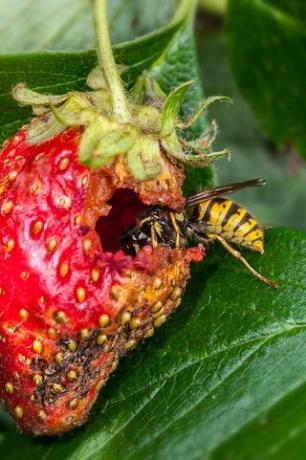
(71, 301)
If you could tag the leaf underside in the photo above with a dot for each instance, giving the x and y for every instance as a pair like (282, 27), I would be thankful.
(68, 24)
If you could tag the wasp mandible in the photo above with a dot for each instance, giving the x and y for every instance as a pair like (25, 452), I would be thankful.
(207, 217)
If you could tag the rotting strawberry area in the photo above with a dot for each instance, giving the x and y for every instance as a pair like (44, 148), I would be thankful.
(125, 207)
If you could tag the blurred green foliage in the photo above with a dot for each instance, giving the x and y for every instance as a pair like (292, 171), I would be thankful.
(267, 49)
(282, 201)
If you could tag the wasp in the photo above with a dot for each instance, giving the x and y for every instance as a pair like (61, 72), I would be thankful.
(207, 217)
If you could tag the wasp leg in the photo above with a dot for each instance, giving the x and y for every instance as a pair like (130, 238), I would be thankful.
(176, 229)
(153, 237)
(240, 257)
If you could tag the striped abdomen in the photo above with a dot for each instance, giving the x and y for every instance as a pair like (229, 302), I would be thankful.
(223, 217)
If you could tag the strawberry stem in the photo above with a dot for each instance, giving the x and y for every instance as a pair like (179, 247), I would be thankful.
(107, 62)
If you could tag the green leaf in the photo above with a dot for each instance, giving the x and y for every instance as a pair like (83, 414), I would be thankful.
(68, 24)
(222, 379)
(267, 47)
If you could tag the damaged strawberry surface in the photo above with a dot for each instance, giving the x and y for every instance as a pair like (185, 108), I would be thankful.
(72, 181)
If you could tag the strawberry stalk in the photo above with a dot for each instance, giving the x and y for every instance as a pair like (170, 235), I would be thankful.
(107, 63)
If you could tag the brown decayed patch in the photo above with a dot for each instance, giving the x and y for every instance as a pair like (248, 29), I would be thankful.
(165, 190)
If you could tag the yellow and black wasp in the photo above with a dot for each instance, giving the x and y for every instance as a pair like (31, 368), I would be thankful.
(207, 217)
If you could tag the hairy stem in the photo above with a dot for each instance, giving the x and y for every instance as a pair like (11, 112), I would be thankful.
(107, 62)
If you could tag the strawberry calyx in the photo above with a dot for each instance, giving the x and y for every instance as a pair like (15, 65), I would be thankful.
(143, 127)
(149, 132)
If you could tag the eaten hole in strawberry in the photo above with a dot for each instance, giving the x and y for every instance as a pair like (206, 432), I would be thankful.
(126, 206)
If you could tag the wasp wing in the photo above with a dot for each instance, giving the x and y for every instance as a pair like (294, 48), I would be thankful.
(223, 190)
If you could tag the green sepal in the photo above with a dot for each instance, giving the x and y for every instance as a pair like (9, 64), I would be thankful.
(154, 119)
(173, 147)
(147, 119)
(205, 159)
(90, 138)
(67, 118)
(100, 101)
(112, 144)
(202, 108)
(39, 110)
(41, 130)
(171, 108)
(147, 91)
(209, 136)
(26, 96)
(204, 143)
(96, 79)
(55, 121)
(196, 153)
(144, 159)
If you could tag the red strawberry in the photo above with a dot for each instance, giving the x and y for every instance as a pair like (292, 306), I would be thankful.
(69, 308)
